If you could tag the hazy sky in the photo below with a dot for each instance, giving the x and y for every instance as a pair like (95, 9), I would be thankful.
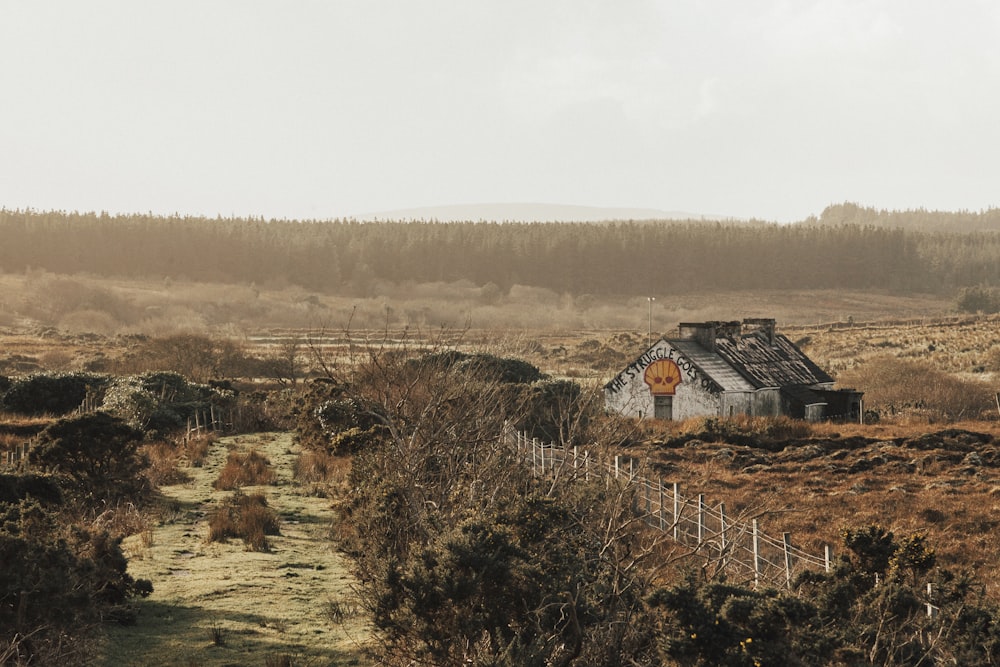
(318, 109)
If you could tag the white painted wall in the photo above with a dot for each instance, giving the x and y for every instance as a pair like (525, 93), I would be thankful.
(629, 395)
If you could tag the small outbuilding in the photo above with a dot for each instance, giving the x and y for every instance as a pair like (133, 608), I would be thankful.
(725, 369)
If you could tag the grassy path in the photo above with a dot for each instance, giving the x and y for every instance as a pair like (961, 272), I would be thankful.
(216, 604)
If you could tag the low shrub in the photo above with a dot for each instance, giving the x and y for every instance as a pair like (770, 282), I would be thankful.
(96, 457)
(902, 388)
(57, 579)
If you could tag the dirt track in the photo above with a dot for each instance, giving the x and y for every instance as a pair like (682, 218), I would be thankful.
(218, 604)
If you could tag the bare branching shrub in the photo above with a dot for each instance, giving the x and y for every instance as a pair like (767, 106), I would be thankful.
(465, 557)
(250, 469)
(195, 356)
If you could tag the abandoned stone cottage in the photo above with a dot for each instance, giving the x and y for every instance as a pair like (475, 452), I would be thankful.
(725, 369)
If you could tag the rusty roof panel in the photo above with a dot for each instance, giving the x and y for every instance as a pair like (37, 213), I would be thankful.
(768, 364)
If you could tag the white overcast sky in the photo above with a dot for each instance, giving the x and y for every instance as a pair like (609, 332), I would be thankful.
(319, 109)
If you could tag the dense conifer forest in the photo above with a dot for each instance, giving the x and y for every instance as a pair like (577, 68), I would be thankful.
(848, 247)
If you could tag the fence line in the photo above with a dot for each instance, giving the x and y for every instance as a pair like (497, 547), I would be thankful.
(12, 457)
(741, 549)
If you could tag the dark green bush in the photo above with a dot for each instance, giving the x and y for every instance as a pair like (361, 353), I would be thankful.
(490, 368)
(44, 489)
(95, 455)
(51, 394)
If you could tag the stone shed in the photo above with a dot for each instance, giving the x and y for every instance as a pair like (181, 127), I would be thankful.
(724, 369)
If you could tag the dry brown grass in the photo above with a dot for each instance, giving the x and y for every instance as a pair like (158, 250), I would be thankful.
(121, 520)
(164, 464)
(321, 469)
(907, 477)
(196, 449)
(249, 469)
(246, 517)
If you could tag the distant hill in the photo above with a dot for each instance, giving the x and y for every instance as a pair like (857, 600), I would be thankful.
(528, 212)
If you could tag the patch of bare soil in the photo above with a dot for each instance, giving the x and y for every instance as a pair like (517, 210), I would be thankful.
(218, 604)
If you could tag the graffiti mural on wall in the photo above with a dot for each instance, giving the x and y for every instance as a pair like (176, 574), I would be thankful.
(662, 376)
(641, 366)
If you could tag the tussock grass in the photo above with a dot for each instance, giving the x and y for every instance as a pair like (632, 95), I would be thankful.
(321, 468)
(249, 469)
(196, 449)
(121, 520)
(246, 517)
(164, 464)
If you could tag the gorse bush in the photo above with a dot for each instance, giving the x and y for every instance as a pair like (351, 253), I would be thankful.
(55, 580)
(163, 402)
(97, 456)
(51, 394)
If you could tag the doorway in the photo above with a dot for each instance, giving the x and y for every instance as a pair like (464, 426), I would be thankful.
(663, 407)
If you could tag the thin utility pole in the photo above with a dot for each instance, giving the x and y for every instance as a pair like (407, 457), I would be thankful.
(649, 330)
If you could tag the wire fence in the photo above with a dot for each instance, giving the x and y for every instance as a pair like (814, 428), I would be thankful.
(734, 545)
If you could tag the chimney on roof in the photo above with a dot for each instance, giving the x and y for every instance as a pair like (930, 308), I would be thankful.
(706, 333)
(701, 332)
(763, 326)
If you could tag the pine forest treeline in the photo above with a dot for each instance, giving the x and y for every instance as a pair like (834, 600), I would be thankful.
(569, 258)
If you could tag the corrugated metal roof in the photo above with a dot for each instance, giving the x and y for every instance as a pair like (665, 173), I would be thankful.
(712, 366)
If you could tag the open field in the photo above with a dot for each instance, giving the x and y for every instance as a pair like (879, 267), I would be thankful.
(218, 604)
(941, 481)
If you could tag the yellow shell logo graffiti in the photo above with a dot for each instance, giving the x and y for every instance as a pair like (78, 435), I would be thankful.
(662, 376)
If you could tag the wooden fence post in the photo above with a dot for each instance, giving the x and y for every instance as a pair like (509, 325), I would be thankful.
(756, 554)
(787, 538)
(701, 517)
(677, 511)
(722, 531)
(827, 557)
(663, 527)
